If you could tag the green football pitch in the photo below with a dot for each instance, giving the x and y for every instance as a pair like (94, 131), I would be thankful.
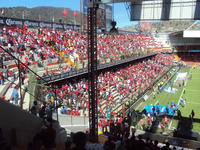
(191, 94)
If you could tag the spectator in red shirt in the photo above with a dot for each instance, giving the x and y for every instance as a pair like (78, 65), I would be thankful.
(149, 122)
(100, 126)
(162, 127)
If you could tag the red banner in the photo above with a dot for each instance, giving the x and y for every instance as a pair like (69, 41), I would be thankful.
(75, 15)
(65, 14)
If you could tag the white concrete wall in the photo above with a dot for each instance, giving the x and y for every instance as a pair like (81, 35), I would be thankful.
(191, 34)
(26, 124)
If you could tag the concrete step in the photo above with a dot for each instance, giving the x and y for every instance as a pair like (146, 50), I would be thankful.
(8, 94)
(103, 103)
(112, 88)
(103, 107)
(126, 99)
(3, 89)
(3, 86)
(24, 123)
(115, 94)
(116, 98)
(26, 101)
(26, 82)
(118, 107)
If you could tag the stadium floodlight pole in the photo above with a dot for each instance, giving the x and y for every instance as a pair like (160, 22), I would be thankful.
(129, 106)
(92, 69)
(20, 88)
(56, 103)
(20, 84)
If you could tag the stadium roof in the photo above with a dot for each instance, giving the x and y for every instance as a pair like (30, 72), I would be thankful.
(120, 1)
(177, 33)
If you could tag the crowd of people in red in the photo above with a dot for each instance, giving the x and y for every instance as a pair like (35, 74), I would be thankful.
(132, 80)
(32, 45)
(115, 86)
(37, 45)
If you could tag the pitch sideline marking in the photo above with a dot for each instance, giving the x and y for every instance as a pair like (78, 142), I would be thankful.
(183, 88)
(192, 103)
(194, 90)
(150, 95)
(156, 102)
(181, 96)
(170, 125)
(196, 73)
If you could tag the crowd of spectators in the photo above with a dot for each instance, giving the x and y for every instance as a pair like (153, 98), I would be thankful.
(46, 139)
(41, 46)
(37, 45)
(32, 45)
(130, 81)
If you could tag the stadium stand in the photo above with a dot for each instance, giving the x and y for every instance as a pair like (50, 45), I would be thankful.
(46, 49)
(115, 87)
(135, 71)
(38, 45)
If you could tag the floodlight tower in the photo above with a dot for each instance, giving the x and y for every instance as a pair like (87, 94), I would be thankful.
(92, 69)
(92, 62)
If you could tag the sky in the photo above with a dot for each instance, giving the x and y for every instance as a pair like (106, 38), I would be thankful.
(120, 13)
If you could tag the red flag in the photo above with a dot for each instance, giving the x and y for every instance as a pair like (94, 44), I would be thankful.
(75, 15)
(2, 13)
(65, 14)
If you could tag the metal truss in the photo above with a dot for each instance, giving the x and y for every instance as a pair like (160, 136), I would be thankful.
(92, 72)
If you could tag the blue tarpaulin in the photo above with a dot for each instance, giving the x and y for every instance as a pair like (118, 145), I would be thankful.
(160, 110)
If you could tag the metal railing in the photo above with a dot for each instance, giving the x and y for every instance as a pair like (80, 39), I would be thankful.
(79, 72)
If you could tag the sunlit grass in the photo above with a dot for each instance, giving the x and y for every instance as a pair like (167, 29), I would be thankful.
(192, 96)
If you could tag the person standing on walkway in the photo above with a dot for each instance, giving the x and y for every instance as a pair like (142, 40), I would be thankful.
(15, 96)
(166, 121)
(100, 126)
(1, 78)
(162, 125)
(149, 122)
(22, 78)
(34, 108)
